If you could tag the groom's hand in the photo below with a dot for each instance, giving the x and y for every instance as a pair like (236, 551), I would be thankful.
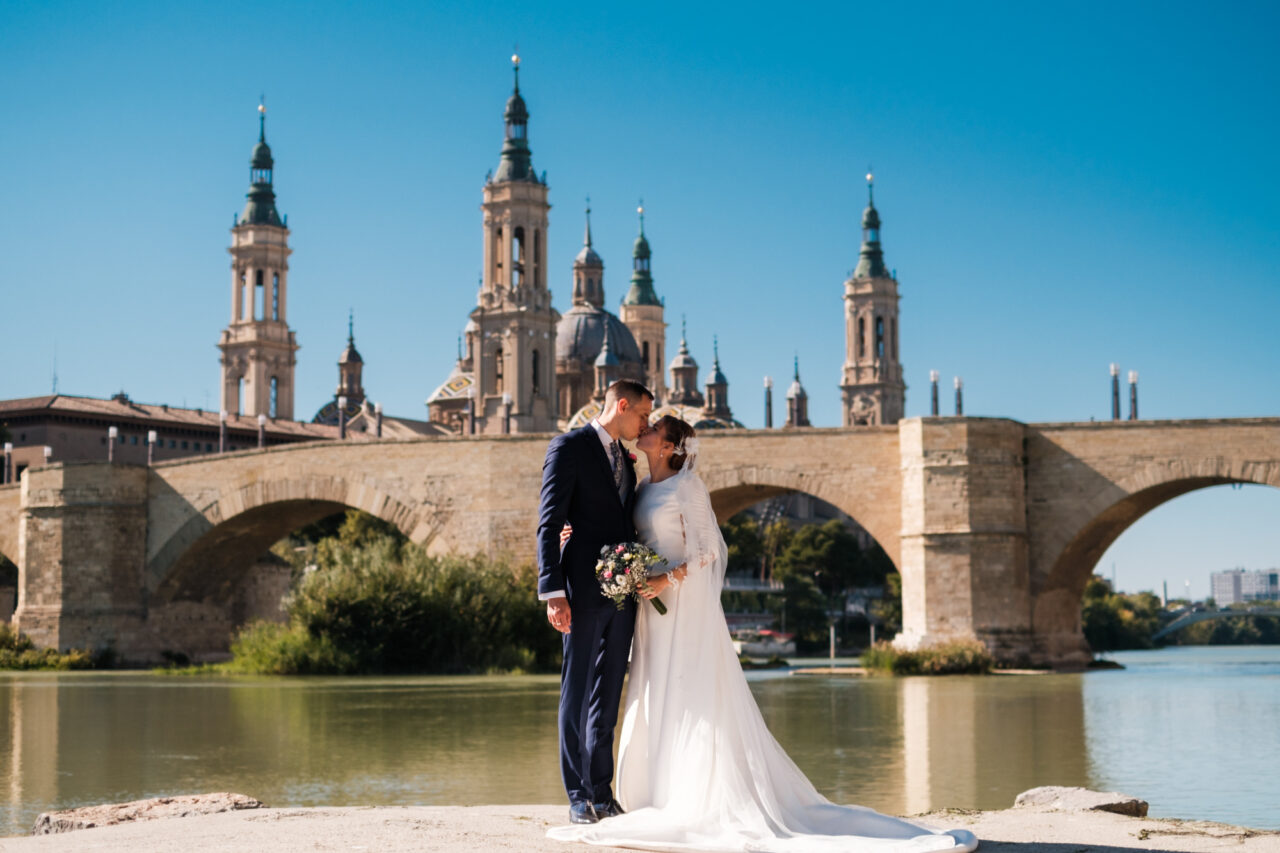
(558, 614)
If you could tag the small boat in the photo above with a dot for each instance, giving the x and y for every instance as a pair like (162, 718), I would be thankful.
(764, 643)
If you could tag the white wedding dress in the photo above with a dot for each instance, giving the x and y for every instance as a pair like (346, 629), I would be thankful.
(697, 767)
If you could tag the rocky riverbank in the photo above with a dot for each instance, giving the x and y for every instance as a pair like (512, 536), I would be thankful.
(1044, 821)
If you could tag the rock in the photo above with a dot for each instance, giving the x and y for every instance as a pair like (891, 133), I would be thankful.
(160, 807)
(1061, 799)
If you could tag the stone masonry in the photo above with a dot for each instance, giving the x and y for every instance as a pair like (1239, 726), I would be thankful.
(995, 525)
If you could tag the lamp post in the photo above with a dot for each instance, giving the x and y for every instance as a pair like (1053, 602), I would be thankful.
(768, 402)
(959, 396)
(1133, 395)
(933, 393)
(151, 447)
(1115, 391)
(262, 431)
(471, 410)
(506, 413)
(377, 419)
(222, 431)
(6, 476)
(112, 432)
(342, 418)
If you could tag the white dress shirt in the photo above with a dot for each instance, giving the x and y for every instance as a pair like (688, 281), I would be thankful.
(607, 441)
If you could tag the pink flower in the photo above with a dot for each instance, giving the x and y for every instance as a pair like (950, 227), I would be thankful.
(608, 574)
(619, 549)
(626, 571)
(631, 456)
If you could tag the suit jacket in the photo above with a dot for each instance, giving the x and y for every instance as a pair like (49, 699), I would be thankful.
(577, 487)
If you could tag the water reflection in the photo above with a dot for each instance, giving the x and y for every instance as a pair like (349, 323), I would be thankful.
(909, 745)
(898, 745)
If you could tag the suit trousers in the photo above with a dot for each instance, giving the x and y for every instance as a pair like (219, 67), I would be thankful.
(596, 650)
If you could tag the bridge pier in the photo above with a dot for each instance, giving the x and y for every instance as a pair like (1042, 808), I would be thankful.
(964, 535)
(81, 550)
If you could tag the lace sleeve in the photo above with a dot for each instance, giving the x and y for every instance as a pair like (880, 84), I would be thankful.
(705, 551)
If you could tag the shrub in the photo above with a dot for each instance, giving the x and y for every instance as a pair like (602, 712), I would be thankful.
(17, 651)
(963, 657)
(383, 605)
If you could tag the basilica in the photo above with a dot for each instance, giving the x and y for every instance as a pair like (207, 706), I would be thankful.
(522, 365)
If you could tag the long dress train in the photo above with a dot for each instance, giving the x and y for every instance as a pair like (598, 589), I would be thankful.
(697, 766)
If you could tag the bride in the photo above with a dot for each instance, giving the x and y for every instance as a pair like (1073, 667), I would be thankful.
(697, 767)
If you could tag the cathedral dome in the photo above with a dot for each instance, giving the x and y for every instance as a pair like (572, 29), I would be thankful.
(580, 336)
(588, 257)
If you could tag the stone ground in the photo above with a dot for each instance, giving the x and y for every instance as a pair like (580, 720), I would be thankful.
(459, 829)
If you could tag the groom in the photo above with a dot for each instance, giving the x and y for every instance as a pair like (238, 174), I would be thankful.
(589, 481)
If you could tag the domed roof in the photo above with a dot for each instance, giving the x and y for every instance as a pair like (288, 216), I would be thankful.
(516, 111)
(695, 417)
(683, 357)
(350, 355)
(641, 247)
(261, 155)
(580, 335)
(588, 257)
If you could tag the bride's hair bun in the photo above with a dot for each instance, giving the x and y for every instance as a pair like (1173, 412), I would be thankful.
(680, 434)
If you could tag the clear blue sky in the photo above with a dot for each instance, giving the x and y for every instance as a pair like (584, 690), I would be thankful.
(1062, 186)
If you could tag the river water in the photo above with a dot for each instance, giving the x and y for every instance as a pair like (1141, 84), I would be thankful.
(1195, 731)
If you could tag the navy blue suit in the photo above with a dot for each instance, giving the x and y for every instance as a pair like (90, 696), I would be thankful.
(578, 487)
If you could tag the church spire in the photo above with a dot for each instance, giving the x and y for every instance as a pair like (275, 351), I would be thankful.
(641, 291)
(517, 162)
(871, 258)
(588, 270)
(261, 206)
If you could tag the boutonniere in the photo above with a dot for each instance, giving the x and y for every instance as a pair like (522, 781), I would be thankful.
(631, 456)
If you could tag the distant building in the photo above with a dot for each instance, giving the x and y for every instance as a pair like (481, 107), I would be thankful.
(1237, 586)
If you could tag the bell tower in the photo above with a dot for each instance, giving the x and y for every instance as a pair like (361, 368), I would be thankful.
(872, 389)
(516, 325)
(642, 312)
(258, 347)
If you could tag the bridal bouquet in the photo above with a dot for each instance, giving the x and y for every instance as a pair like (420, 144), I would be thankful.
(623, 569)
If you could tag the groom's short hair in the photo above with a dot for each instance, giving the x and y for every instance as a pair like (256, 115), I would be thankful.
(627, 389)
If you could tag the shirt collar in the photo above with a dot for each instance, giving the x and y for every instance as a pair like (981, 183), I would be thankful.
(603, 434)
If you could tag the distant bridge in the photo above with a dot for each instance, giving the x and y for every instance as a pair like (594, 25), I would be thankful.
(1194, 616)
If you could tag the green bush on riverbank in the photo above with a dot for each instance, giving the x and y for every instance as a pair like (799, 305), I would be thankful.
(374, 603)
(18, 652)
(958, 658)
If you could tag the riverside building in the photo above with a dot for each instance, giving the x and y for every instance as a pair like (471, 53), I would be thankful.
(1238, 586)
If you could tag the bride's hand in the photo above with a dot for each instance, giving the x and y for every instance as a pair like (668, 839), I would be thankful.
(654, 586)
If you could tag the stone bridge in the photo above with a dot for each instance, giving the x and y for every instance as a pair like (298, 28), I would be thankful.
(994, 524)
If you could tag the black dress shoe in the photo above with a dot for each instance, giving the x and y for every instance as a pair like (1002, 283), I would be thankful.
(582, 813)
(608, 808)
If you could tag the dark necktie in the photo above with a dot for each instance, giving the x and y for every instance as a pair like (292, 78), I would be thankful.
(619, 476)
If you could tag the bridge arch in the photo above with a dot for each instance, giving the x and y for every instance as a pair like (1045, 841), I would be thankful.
(205, 555)
(735, 489)
(1084, 535)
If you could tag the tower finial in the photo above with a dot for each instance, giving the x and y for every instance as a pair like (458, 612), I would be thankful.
(640, 210)
(797, 367)
(351, 325)
(586, 238)
(715, 349)
(683, 335)
(515, 66)
(871, 183)
(262, 118)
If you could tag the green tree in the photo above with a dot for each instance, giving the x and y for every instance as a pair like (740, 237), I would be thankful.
(888, 610)
(746, 545)
(827, 553)
(1113, 622)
